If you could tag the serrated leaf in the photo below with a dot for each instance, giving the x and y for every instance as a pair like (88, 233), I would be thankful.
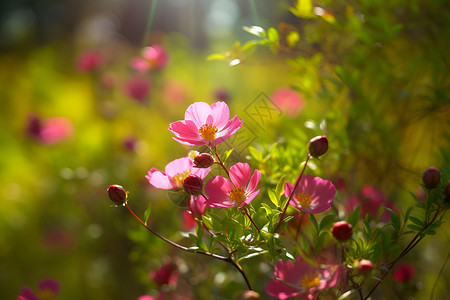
(147, 213)
(273, 197)
(255, 30)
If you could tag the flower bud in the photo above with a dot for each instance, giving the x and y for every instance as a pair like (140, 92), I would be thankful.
(342, 231)
(193, 185)
(318, 146)
(201, 160)
(117, 194)
(365, 266)
(249, 295)
(431, 177)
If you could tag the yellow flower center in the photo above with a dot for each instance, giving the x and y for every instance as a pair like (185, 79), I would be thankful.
(208, 132)
(180, 177)
(237, 195)
(304, 199)
(309, 281)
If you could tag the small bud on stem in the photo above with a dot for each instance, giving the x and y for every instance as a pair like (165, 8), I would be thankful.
(117, 194)
(431, 177)
(318, 146)
(193, 185)
(342, 231)
(365, 266)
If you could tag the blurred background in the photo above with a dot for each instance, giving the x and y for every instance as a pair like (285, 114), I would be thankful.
(78, 114)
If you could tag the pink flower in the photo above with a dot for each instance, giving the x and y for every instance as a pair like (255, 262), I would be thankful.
(153, 57)
(404, 272)
(146, 297)
(90, 61)
(49, 131)
(137, 88)
(48, 289)
(288, 101)
(300, 279)
(241, 190)
(205, 125)
(370, 199)
(312, 195)
(166, 274)
(174, 174)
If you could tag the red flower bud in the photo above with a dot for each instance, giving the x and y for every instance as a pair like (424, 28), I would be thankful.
(404, 272)
(318, 146)
(431, 177)
(117, 194)
(365, 266)
(193, 185)
(342, 231)
(203, 160)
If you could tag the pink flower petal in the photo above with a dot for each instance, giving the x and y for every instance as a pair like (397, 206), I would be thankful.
(140, 64)
(218, 189)
(198, 112)
(240, 174)
(201, 172)
(254, 181)
(231, 128)
(178, 165)
(159, 180)
(249, 198)
(197, 205)
(220, 114)
(49, 284)
(278, 289)
(28, 294)
(186, 130)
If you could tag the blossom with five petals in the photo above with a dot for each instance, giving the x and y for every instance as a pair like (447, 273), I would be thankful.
(240, 191)
(301, 279)
(174, 174)
(205, 125)
(313, 194)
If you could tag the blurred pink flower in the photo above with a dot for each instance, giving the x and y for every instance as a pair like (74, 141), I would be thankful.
(370, 199)
(153, 57)
(166, 274)
(404, 272)
(313, 194)
(241, 190)
(90, 60)
(137, 88)
(221, 94)
(288, 101)
(49, 131)
(174, 174)
(176, 91)
(300, 279)
(48, 289)
(145, 297)
(205, 125)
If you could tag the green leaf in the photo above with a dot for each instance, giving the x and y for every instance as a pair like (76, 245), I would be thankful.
(216, 56)
(226, 155)
(353, 217)
(147, 213)
(414, 227)
(255, 153)
(255, 30)
(394, 218)
(273, 197)
(272, 35)
(292, 38)
(326, 222)
(280, 187)
(314, 221)
(417, 221)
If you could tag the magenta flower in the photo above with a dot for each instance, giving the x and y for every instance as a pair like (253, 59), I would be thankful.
(137, 88)
(166, 274)
(49, 131)
(174, 174)
(312, 195)
(48, 289)
(300, 279)
(197, 207)
(404, 272)
(240, 191)
(205, 125)
(90, 60)
(153, 57)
